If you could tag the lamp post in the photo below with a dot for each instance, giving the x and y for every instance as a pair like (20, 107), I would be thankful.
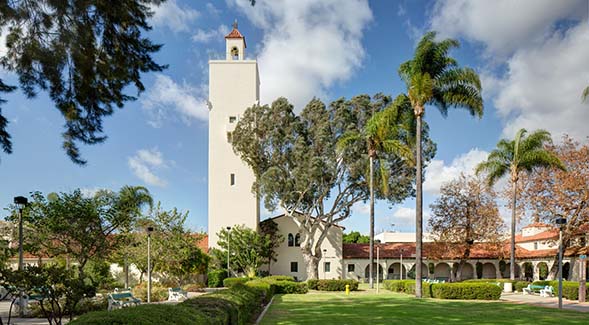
(324, 259)
(561, 221)
(20, 202)
(377, 267)
(228, 246)
(149, 231)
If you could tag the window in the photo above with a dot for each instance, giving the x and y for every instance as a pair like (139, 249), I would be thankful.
(535, 245)
(232, 119)
(327, 267)
(290, 240)
(232, 179)
(297, 242)
(294, 266)
(351, 267)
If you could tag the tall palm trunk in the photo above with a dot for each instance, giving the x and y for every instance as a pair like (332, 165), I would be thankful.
(370, 267)
(418, 207)
(513, 207)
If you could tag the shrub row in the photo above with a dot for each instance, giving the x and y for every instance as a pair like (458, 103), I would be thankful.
(216, 278)
(230, 282)
(464, 290)
(332, 285)
(280, 278)
(237, 305)
(279, 286)
(518, 285)
(570, 289)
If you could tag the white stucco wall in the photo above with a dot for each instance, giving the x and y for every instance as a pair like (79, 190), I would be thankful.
(233, 87)
(286, 254)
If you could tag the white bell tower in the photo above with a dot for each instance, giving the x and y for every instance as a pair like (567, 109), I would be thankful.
(233, 87)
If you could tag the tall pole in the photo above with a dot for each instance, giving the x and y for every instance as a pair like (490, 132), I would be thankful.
(148, 267)
(560, 269)
(418, 205)
(371, 240)
(21, 301)
(401, 265)
(228, 251)
(377, 268)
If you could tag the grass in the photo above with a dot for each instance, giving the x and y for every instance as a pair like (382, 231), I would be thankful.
(364, 307)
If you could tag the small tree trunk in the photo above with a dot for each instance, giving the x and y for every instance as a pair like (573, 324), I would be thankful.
(513, 212)
(553, 273)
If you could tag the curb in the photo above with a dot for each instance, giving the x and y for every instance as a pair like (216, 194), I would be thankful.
(264, 311)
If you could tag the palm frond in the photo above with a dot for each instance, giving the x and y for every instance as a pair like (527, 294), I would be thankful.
(540, 158)
(399, 149)
(535, 140)
(349, 138)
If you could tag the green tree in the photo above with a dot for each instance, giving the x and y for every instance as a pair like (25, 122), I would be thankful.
(355, 237)
(76, 226)
(299, 167)
(434, 78)
(512, 157)
(248, 250)
(269, 228)
(389, 131)
(85, 54)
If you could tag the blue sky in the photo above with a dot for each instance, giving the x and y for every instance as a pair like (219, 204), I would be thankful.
(532, 56)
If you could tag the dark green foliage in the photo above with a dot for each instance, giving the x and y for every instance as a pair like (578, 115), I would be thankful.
(265, 286)
(216, 278)
(332, 285)
(355, 237)
(237, 305)
(85, 54)
(467, 291)
(249, 249)
(280, 278)
(464, 290)
(289, 287)
(520, 285)
(230, 282)
(543, 271)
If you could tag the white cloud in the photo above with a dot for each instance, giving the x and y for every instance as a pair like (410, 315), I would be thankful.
(166, 97)
(212, 9)
(543, 85)
(145, 162)
(361, 208)
(438, 173)
(503, 25)
(205, 36)
(307, 45)
(170, 15)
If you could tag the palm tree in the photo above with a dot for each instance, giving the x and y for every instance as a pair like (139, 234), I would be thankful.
(432, 77)
(131, 200)
(386, 132)
(524, 153)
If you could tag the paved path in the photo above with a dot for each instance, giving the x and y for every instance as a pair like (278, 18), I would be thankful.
(549, 302)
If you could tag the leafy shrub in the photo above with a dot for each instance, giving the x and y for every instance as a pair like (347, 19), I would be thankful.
(259, 284)
(544, 283)
(520, 285)
(230, 282)
(216, 278)
(194, 287)
(158, 293)
(237, 305)
(280, 278)
(332, 285)
(290, 287)
(397, 285)
(470, 291)
(570, 289)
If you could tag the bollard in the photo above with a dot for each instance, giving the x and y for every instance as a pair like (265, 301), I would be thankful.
(347, 289)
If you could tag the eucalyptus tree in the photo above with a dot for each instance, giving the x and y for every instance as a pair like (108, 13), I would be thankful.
(299, 168)
(388, 131)
(512, 157)
(434, 78)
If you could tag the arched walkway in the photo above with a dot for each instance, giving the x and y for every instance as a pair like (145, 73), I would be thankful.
(528, 271)
(442, 271)
(566, 270)
(489, 271)
(395, 271)
(467, 272)
(367, 272)
(507, 273)
(424, 271)
(542, 269)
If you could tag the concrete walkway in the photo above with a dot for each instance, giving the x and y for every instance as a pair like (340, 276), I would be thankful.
(549, 302)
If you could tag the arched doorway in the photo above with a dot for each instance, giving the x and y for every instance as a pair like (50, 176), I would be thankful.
(367, 272)
(566, 270)
(528, 271)
(395, 271)
(467, 272)
(542, 268)
(507, 273)
(442, 271)
(424, 272)
(489, 271)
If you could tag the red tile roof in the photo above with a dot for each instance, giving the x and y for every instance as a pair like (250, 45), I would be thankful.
(234, 34)
(545, 235)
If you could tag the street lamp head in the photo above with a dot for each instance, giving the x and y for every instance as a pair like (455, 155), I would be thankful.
(228, 228)
(21, 201)
(149, 230)
(560, 220)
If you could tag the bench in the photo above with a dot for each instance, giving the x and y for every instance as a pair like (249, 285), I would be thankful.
(121, 300)
(177, 294)
(531, 288)
(548, 291)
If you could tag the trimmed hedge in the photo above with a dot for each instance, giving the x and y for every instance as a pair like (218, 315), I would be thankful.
(464, 290)
(332, 285)
(468, 291)
(237, 305)
(230, 282)
(518, 285)
(216, 278)
(283, 285)
(280, 278)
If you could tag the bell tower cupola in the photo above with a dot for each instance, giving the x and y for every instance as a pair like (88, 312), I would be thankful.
(235, 43)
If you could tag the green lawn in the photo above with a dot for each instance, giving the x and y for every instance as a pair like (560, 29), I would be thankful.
(394, 308)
